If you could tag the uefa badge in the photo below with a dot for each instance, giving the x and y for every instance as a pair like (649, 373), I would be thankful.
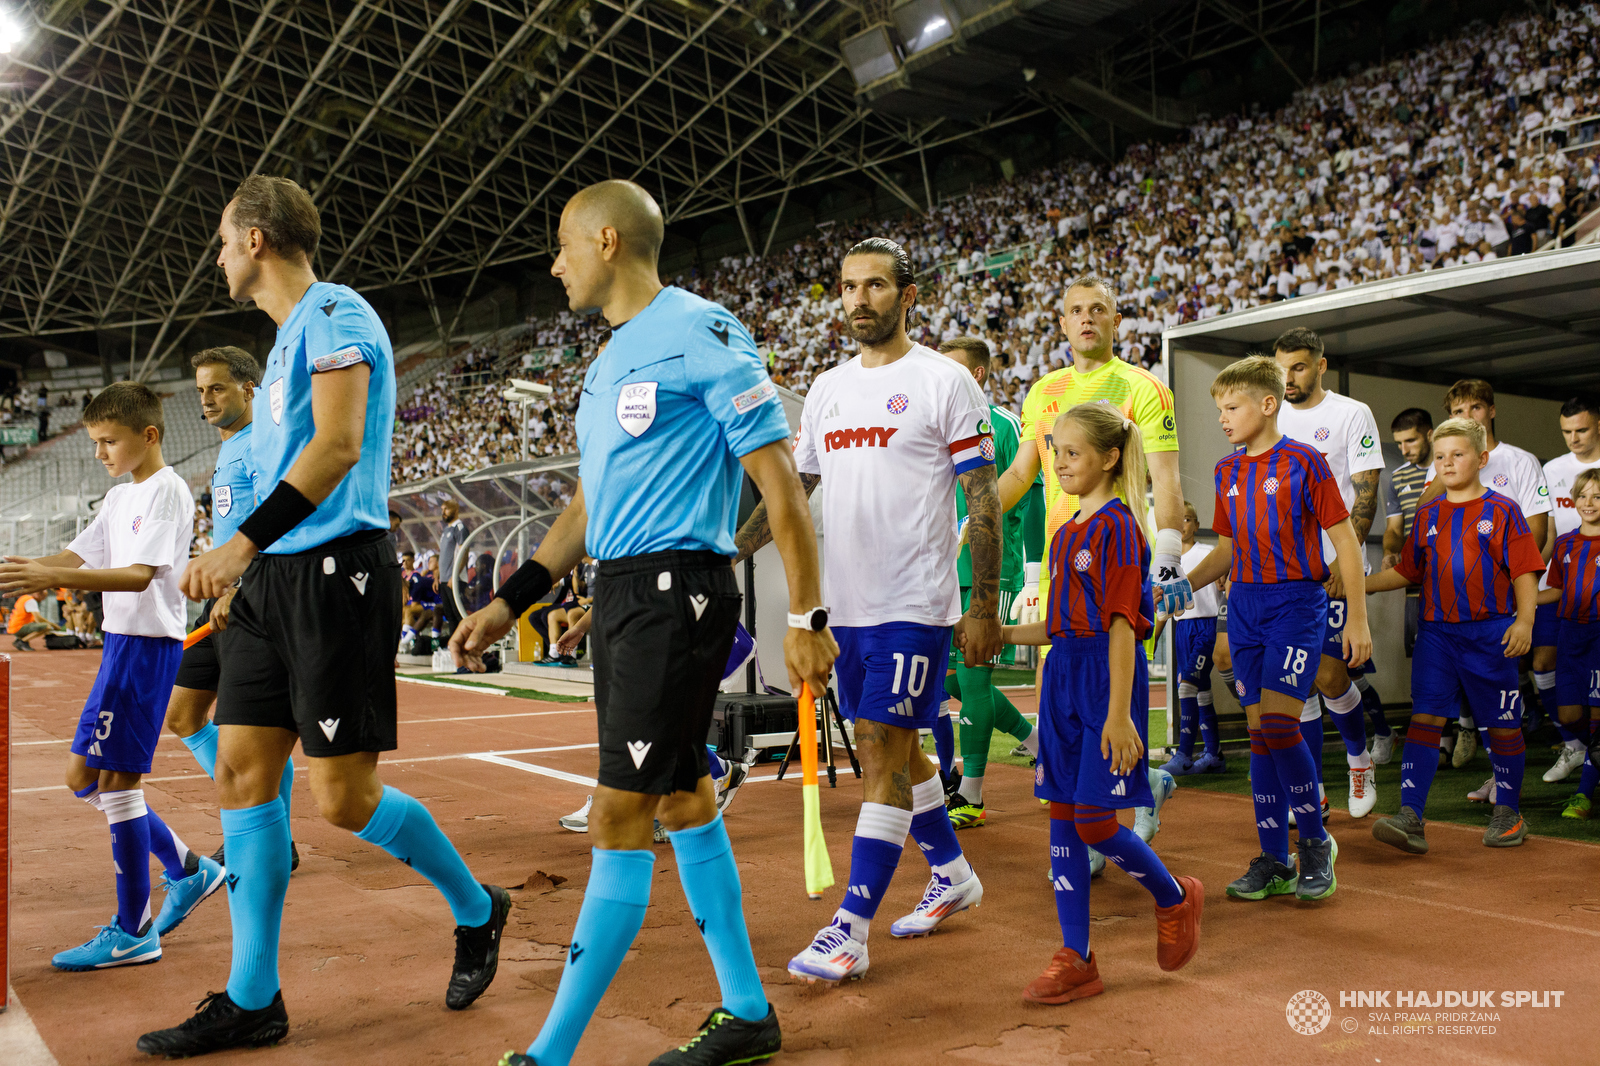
(275, 401)
(222, 499)
(636, 407)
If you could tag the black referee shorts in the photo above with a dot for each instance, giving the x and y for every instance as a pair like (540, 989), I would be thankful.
(311, 641)
(200, 668)
(663, 628)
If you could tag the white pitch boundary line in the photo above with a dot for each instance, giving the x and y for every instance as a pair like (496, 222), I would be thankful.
(488, 690)
(532, 768)
(489, 755)
(483, 717)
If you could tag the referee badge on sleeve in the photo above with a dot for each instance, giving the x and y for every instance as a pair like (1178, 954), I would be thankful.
(636, 407)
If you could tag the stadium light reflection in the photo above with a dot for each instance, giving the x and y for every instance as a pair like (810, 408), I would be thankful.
(10, 32)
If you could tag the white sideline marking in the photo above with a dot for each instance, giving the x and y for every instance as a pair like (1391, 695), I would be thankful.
(482, 717)
(488, 690)
(559, 775)
(34, 743)
(486, 756)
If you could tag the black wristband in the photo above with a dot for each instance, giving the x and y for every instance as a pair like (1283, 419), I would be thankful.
(522, 589)
(276, 515)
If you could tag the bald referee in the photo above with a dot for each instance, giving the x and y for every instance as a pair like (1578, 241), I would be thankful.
(670, 410)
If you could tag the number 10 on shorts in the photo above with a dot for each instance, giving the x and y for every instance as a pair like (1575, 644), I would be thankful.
(918, 679)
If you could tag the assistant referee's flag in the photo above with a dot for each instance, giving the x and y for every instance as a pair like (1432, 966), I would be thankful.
(819, 868)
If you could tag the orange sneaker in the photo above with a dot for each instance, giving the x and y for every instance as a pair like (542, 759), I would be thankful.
(1178, 926)
(1068, 977)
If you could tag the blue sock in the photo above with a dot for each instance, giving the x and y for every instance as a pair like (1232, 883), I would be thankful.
(1208, 723)
(1374, 706)
(874, 853)
(203, 743)
(1069, 869)
(257, 839)
(130, 855)
(1509, 757)
(1272, 806)
(286, 787)
(1418, 764)
(1188, 716)
(1591, 774)
(1297, 771)
(613, 909)
(944, 744)
(404, 828)
(711, 885)
(1569, 735)
(1345, 710)
(1132, 855)
(931, 829)
(165, 846)
(1311, 732)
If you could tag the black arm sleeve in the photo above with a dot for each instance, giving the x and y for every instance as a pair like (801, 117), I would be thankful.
(524, 588)
(276, 515)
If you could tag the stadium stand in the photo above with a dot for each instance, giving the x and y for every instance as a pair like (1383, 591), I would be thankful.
(1477, 147)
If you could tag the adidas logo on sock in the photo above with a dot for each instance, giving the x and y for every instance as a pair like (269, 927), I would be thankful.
(924, 847)
(1408, 783)
(1267, 823)
(1121, 789)
(860, 890)
(1063, 885)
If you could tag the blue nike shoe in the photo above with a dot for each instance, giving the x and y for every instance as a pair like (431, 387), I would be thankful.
(185, 894)
(111, 947)
(1179, 765)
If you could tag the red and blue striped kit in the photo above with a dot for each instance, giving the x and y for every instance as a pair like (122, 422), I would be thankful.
(1275, 506)
(1575, 570)
(1464, 557)
(1098, 569)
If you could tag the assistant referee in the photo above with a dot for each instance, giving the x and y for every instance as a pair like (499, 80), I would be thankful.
(671, 408)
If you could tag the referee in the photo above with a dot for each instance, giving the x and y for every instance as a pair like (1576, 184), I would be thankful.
(670, 410)
(312, 631)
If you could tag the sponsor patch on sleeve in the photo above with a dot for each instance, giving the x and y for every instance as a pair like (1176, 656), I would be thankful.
(765, 392)
(336, 361)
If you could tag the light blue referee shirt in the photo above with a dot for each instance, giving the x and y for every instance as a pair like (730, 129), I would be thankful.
(233, 486)
(668, 409)
(329, 329)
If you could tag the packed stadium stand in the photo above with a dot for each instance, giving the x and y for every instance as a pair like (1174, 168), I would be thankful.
(1478, 147)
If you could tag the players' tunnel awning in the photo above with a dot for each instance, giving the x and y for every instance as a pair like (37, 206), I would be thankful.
(1529, 324)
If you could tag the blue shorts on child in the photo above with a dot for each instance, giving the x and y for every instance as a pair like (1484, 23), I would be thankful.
(1275, 635)
(1072, 715)
(1465, 660)
(121, 722)
(1578, 664)
(892, 673)
(1196, 640)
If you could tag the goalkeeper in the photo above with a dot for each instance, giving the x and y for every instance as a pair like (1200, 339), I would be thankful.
(984, 708)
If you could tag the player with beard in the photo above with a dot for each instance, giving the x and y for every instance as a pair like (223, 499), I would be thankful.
(888, 435)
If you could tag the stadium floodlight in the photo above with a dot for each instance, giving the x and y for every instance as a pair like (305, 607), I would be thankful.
(925, 23)
(871, 55)
(10, 32)
(525, 392)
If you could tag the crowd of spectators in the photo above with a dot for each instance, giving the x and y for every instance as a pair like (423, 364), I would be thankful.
(1477, 147)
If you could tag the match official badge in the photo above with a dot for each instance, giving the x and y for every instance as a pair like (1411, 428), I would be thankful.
(222, 499)
(636, 407)
(275, 401)
(1309, 1012)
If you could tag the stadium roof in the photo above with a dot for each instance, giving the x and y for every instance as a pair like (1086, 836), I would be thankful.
(440, 137)
(1528, 324)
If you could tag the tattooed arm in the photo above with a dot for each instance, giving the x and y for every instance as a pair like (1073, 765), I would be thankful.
(1362, 512)
(979, 629)
(757, 529)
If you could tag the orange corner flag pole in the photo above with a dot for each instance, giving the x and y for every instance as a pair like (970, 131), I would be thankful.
(819, 868)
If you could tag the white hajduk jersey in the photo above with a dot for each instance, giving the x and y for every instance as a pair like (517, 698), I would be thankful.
(1205, 600)
(1559, 474)
(1346, 434)
(889, 443)
(149, 523)
(1514, 472)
